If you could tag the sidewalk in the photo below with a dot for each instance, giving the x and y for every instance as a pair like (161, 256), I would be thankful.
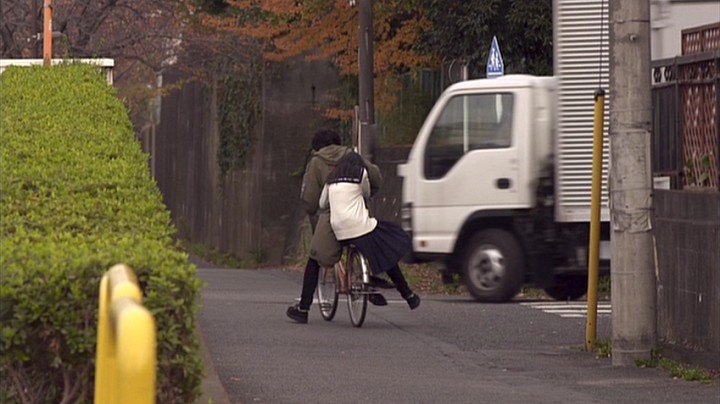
(459, 351)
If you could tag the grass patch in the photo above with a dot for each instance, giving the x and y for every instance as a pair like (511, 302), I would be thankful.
(426, 278)
(221, 258)
(212, 255)
(532, 293)
(604, 285)
(603, 348)
(676, 369)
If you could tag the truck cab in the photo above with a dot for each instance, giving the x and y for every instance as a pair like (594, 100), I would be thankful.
(478, 188)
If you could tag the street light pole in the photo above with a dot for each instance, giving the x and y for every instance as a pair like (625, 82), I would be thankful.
(47, 33)
(633, 270)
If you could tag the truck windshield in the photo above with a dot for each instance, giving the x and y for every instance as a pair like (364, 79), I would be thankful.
(468, 122)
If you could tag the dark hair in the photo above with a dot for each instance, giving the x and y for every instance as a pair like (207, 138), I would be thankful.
(325, 137)
(348, 169)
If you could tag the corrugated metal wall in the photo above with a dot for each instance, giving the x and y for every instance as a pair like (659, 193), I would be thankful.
(581, 52)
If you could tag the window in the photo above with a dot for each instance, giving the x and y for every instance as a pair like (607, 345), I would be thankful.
(468, 122)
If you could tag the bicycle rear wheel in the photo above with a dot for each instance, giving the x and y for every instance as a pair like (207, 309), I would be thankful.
(327, 291)
(357, 295)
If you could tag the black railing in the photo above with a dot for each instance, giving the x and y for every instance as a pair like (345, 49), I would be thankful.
(686, 120)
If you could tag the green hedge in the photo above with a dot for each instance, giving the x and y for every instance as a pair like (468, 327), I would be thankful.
(76, 198)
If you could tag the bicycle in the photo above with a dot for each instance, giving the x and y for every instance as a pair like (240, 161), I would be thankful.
(351, 278)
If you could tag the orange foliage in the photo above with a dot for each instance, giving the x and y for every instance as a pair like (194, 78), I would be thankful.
(326, 30)
(344, 115)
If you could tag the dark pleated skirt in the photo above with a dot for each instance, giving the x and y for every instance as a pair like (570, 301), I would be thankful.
(383, 247)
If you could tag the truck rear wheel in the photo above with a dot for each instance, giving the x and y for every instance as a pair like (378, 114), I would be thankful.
(493, 266)
(568, 287)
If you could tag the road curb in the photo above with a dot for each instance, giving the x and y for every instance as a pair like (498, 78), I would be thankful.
(213, 391)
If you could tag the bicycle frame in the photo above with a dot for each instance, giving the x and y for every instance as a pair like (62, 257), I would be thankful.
(343, 279)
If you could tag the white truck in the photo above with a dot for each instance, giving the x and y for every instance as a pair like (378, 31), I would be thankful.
(497, 184)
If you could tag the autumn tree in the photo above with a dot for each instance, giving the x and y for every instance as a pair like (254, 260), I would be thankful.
(19, 23)
(141, 36)
(206, 35)
(327, 30)
(409, 34)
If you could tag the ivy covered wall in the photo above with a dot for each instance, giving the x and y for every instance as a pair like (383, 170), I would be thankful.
(227, 156)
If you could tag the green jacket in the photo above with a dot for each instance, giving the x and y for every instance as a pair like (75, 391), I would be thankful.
(325, 248)
(321, 163)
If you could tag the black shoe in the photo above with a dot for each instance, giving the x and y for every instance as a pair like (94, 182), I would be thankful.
(377, 299)
(298, 314)
(381, 283)
(413, 301)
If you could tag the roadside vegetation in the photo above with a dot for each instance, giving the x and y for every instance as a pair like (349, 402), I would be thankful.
(603, 348)
(678, 370)
(77, 198)
(256, 259)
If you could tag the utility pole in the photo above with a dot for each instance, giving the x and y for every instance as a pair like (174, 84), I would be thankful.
(633, 266)
(366, 81)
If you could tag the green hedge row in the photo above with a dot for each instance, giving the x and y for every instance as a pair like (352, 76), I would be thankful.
(76, 198)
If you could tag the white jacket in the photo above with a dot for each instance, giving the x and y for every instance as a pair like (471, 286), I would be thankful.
(349, 217)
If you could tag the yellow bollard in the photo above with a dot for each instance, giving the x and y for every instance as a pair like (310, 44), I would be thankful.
(126, 349)
(594, 248)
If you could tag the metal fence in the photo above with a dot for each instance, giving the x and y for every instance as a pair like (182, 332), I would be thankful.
(686, 113)
(686, 129)
(705, 38)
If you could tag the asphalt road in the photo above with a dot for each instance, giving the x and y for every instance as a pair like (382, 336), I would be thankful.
(449, 350)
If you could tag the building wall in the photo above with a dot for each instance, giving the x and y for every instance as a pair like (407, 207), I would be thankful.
(253, 213)
(670, 17)
(687, 235)
(205, 208)
(295, 97)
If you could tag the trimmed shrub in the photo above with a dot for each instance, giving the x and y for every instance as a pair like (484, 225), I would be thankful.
(76, 198)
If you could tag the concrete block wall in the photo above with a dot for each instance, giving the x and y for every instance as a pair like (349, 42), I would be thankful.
(687, 235)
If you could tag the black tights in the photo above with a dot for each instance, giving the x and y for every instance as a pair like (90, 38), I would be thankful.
(310, 280)
(399, 280)
(312, 272)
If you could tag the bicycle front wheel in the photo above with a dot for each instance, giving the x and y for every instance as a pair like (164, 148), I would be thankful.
(357, 295)
(327, 292)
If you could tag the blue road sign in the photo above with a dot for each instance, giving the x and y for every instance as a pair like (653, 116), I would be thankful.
(495, 66)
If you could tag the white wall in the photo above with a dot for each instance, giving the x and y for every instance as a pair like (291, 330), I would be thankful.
(669, 18)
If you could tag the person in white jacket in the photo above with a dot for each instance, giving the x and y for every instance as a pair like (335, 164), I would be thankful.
(325, 250)
(382, 243)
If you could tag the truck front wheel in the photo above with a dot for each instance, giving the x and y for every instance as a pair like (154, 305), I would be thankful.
(493, 266)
